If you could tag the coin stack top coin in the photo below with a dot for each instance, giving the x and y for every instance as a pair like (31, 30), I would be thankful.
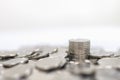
(79, 48)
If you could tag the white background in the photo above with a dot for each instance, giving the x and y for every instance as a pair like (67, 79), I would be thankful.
(34, 22)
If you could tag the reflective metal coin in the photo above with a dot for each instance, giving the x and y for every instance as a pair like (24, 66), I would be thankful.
(24, 53)
(100, 53)
(107, 74)
(39, 55)
(109, 62)
(60, 54)
(7, 54)
(49, 64)
(117, 53)
(79, 48)
(18, 72)
(64, 75)
(38, 75)
(80, 69)
(54, 51)
(13, 62)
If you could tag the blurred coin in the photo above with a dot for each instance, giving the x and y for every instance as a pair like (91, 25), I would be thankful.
(109, 62)
(49, 64)
(81, 69)
(100, 53)
(107, 74)
(38, 75)
(38, 55)
(79, 48)
(117, 53)
(24, 53)
(54, 51)
(60, 54)
(18, 72)
(13, 62)
(7, 54)
(64, 75)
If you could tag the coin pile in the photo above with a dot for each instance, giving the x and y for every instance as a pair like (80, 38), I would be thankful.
(79, 48)
(76, 62)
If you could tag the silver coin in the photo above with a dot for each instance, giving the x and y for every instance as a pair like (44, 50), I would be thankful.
(18, 72)
(7, 54)
(13, 62)
(117, 53)
(38, 75)
(107, 74)
(79, 48)
(64, 75)
(109, 62)
(60, 54)
(48, 64)
(24, 53)
(81, 68)
(54, 51)
(39, 55)
(100, 53)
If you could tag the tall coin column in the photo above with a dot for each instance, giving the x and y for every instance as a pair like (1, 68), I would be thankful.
(79, 49)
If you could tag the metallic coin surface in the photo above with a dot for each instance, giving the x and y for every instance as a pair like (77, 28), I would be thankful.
(13, 62)
(39, 55)
(18, 72)
(64, 75)
(107, 74)
(7, 54)
(100, 53)
(61, 53)
(48, 64)
(109, 62)
(79, 48)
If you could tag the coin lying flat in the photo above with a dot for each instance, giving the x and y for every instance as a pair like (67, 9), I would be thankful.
(7, 54)
(64, 75)
(38, 75)
(13, 62)
(24, 53)
(18, 72)
(107, 74)
(39, 55)
(79, 69)
(117, 53)
(61, 53)
(100, 53)
(48, 64)
(54, 51)
(109, 62)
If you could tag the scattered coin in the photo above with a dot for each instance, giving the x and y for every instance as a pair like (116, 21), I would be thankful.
(64, 75)
(107, 74)
(39, 55)
(38, 75)
(49, 64)
(54, 51)
(60, 54)
(7, 54)
(81, 68)
(25, 53)
(117, 53)
(100, 53)
(18, 72)
(109, 62)
(13, 62)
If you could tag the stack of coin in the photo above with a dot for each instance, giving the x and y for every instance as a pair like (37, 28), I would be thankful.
(79, 48)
